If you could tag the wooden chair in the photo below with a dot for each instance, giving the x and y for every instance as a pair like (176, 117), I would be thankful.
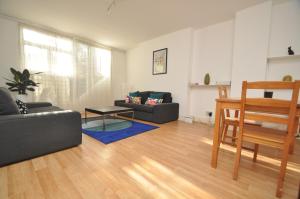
(268, 110)
(227, 120)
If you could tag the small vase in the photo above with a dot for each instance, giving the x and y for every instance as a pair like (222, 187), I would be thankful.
(206, 79)
(23, 98)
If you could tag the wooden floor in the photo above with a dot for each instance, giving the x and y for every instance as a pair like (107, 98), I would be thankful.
(170, 162)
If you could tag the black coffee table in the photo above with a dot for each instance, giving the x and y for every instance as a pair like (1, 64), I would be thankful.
(108, 110)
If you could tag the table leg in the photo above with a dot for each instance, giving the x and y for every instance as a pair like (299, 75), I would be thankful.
(85, 116)
(215, 147)
(103, 122)
(132, 115)
(236, 115)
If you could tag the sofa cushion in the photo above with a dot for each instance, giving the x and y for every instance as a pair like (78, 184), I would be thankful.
(144, 95)
(137, 107)
(134, 94)
(166, 96)
(156, 95)
(7, 104)
(44, 109)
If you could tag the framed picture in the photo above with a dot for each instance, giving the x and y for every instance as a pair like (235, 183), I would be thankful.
(160, 58)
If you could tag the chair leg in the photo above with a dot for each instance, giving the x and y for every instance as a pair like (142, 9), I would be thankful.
(282, 170)
(256, 146)
(237, 158)
(292, 145)
(225, 132)
(234, 134)
(222, 133)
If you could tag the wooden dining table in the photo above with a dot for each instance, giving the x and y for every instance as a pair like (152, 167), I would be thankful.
(232, 104)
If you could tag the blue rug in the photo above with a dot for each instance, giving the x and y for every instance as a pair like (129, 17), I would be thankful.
(111, 135)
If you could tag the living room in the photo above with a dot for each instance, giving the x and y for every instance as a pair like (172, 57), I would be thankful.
(144, 81)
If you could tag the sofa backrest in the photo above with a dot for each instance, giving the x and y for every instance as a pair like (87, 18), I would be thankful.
(167, 96)
(7, 104)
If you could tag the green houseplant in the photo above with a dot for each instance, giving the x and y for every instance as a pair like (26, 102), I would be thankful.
(21, 82)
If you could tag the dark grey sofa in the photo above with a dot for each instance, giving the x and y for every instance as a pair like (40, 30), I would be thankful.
(160, 113)
(44, 130)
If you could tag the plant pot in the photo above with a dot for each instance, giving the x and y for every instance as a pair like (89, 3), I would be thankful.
(23, 98)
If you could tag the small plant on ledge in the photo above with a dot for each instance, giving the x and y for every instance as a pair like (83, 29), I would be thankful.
(21, 82)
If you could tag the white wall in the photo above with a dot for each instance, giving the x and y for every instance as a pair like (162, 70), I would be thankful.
(285, 31)
(285, 27)
(212, 53)
(251, 42)
(139, 67)
(118, 77)
(9, 48)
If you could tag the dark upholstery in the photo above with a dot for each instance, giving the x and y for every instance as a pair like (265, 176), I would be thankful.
(136, 107)
(160, 113)
(44, 130)
(38, 104)
(8, 105)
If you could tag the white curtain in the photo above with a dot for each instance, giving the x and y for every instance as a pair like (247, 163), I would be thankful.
(74, 75)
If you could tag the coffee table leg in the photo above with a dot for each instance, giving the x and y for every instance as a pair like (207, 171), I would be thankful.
(103, 122)
(132, 115)
(85, 116)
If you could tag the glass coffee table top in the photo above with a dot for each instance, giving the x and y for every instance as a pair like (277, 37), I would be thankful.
(110, 124)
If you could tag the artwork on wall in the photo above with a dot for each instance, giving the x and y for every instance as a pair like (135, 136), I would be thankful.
(160, 58)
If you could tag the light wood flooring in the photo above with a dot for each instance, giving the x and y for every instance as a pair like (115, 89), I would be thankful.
(170, 162)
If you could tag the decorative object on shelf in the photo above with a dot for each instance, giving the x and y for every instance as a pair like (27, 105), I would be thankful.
(21, 83)
(206, 79)
(160, 58)
(290, 51)
(268, 94)
(287, 78)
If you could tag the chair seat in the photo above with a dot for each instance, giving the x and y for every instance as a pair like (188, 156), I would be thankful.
(264, 136)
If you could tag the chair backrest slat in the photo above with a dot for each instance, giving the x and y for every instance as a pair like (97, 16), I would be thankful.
(270, 85)
(266, 118)
(259, 109)
(223, 95)
(277, 103)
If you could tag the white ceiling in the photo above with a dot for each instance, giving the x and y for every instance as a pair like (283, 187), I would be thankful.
(131, 21)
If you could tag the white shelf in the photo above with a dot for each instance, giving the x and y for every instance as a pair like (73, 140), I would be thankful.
(193, 85)
(285, 57)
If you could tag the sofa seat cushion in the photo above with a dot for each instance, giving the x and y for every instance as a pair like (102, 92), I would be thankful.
(44, 109)
(7, 104)
(137, 107)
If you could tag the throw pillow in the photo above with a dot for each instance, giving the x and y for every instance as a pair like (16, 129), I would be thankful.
(128, 99)
(136, 100)
(22, 107)
(7, 105)
(156, 95)
(151, 101)
(134, 94)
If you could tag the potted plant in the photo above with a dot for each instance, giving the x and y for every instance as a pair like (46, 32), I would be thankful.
(21, 83)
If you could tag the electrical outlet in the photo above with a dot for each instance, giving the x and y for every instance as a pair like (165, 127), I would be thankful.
(209, 113)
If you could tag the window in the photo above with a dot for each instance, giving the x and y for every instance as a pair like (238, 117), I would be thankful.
(71, 68)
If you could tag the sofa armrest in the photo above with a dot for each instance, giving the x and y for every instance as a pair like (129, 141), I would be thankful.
(31, 135)
(119, 101)
(166, 112)
(37, 104)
